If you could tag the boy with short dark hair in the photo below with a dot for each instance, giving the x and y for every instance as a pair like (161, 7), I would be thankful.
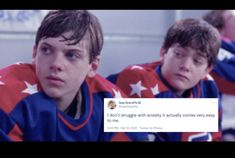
(64, 99)
(224, 22)
(188, 54)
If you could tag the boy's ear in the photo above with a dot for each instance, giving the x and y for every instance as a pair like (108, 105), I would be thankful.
(94, 67)
(208, 71)
(34, 54)
(162, 52)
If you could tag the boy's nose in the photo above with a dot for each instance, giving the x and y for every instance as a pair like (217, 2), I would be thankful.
(56, 64)
(185, 64)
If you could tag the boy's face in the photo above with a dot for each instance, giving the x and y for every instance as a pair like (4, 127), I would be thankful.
(183, 67)
(229, 25)
(62, 68)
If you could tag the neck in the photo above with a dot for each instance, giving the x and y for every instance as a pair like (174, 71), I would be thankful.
(184, 94)
(74, 109)
(64, 102)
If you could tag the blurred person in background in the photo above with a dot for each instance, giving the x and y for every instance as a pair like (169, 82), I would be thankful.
(224, 70)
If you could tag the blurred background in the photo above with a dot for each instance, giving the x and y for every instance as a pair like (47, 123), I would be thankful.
(131, 36)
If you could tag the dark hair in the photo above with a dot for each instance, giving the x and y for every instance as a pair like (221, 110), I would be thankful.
(195, 33)
(81, 22)
(215, 18)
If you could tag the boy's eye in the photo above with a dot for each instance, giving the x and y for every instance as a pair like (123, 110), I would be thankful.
(45, 50)
(178, 53)
(72, 55)
(199, 61)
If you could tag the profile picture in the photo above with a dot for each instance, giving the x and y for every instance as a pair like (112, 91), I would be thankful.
(112, 104)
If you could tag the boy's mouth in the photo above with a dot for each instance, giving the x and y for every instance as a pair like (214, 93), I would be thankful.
(55, 80)
(182, 76)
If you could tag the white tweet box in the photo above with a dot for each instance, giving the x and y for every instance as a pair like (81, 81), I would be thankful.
(161, 115)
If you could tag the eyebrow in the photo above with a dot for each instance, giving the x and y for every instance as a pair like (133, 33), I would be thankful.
(70, 49)
(45, 43)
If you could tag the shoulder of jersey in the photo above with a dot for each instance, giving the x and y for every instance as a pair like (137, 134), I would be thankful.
(15, 82)
(100, 84)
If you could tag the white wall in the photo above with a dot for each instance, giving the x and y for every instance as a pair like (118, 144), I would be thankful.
(131, 36)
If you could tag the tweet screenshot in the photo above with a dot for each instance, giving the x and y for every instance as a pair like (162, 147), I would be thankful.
(161, 115)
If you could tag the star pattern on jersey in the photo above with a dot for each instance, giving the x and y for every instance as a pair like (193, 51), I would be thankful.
(155, 89)
(137, 67)
(31, 89)
(117, 93)
(209, 77)
(224, 54)
(137, 88)
(1, 83)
